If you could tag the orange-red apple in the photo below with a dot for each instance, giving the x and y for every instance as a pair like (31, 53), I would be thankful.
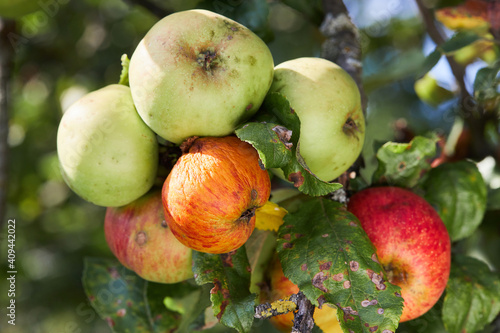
(280, 288)
(411, 241)
(141, 240)
(212, 192)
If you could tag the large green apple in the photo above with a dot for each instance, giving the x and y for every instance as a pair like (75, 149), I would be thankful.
(197, 73)
(139, 237)
(412, 243)
(108, 155)
(328, 103)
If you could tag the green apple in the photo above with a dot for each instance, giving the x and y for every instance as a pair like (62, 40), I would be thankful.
(328, 104)
(197, 73)
(108, 155)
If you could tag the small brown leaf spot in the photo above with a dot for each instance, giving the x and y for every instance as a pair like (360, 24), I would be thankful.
(141, 238)
(354, 265)
(296, 178)
(367, 325)
(401, 166)
(195, 276)
(353, 224)
(324, 235)
(397, 294)
(164, 224)
(227, 259)
(287, 245)
(222, 308)
(290, 226)
(381, 286)
(318, 280)
(114, 273)
(303, 267)
(284, 134)
(348, 241)
(91, 298)
(338, 277)
(110, 322)
(249, 269)
(347, 284)
(380, 311)
(121, 312)
(349, 313)
(367, 302)
(299, 236)
(208, 271)
(216, 288)
(373, 328)
(321, 301)
(375, 258)
(287, 236)
(325, 266)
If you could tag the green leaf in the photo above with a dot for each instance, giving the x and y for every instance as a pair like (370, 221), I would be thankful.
(277, 108)
(232, 302)
(251, 13)
(271, 142)
(126, 301)
(472, 296)
(459, 194)
(124, 74)
(486, 83)
(430, 61)
(459, 40)
(260, 248)
(324, 250)
(402, 164)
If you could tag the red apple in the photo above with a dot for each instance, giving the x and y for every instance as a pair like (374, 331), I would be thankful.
(412, 243)
(212, 192)
(141, 240)
(280, 288)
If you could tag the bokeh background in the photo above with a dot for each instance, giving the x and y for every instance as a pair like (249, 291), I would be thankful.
(68, 48)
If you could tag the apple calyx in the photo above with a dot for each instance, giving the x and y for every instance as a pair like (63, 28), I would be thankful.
(350, 127)
(208, 59)
(396, 275)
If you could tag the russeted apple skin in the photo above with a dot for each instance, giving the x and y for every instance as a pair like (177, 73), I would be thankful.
(327, 101)
(411, 241)
(198, 73)
(281, 287)
(211, 194)
(141, 240)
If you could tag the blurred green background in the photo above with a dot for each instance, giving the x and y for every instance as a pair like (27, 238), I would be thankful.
(69, 48)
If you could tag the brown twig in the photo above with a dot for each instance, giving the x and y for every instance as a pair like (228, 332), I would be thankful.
(6, 57)
(342, 44)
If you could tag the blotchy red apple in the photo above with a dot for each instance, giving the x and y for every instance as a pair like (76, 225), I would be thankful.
(141, 240)
(412, 243)
(212, 192)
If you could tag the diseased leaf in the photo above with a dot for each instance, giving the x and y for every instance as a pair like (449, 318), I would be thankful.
(459, 194)
(260, 248)
(125, 300)
(471, 15)
(231, 299)
(486, 83)
(269, 216)
(324, 250)
(472, 298)
(271, 141)
(402, 164)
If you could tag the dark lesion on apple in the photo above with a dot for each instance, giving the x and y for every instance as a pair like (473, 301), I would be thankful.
(247, 215)
(208, 59)
(350, 127)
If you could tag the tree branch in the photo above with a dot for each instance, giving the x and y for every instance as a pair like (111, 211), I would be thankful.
(6, 56)
(303, 321)
(342, 44)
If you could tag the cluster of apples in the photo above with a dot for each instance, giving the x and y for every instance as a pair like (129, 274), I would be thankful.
(194, 78)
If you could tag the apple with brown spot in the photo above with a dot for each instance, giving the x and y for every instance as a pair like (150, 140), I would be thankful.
(212, 192)
(141, 240)
(412, 243)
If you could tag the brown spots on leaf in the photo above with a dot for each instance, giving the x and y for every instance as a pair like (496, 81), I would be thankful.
(354, 266)
(287, 245)
(227, 259)
(380, 311)
(375, 258)
(325, 235)
(377, 279)
(299, 236)
(318, 281)
(217, 287)
(397, 294)
(303, 267)
(373, 328)
(110, 322)
(284, 134)
(141, 238)
(223, 306)
(287, 237)
(367, 302)
(325, 266)
(338, 277)
(353, 224)
(349, 313)
(296, 178)
(121, 312)
(401, 166)
(321, 301)
(347, 284)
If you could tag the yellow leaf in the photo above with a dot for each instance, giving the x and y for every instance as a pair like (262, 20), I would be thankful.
(471, 15)
(269, 217)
